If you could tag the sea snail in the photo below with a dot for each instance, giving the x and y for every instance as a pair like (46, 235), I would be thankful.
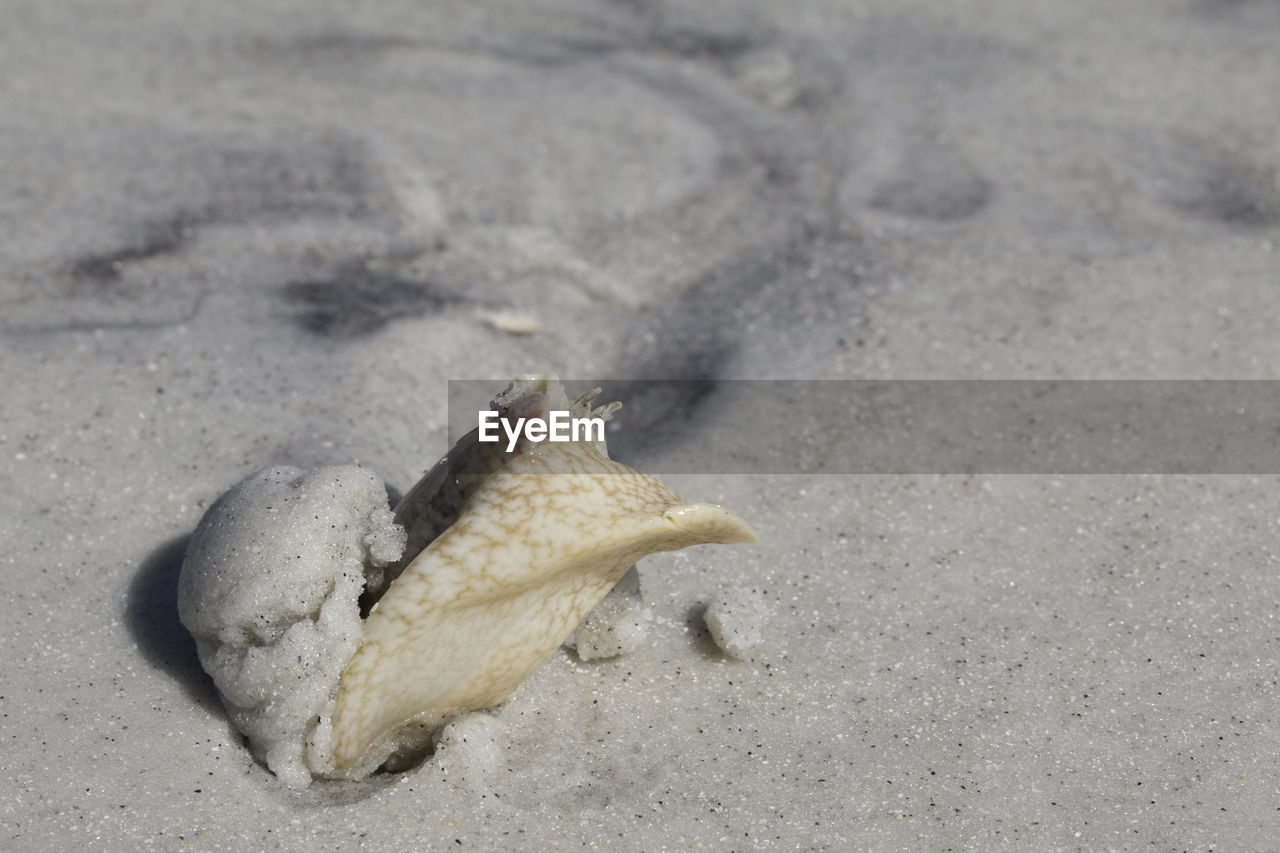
(341, 636)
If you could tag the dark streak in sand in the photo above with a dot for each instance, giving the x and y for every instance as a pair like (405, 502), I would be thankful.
(357, 302)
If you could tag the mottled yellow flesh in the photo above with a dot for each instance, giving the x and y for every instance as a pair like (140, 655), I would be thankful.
(539, 544)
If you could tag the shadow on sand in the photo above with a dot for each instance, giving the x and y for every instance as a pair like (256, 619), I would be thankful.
(152, 617)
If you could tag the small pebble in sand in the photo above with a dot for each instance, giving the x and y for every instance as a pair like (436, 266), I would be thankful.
(509, 320)
(736, 618)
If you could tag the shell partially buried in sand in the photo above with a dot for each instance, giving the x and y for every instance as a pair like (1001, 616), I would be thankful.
(486, 567)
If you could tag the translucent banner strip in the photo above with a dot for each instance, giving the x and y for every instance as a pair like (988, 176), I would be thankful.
(927, 426)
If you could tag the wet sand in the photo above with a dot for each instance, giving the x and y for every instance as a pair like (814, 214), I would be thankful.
(237, 238)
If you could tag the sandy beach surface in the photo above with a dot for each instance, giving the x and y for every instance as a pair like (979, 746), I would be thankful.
(242, 235)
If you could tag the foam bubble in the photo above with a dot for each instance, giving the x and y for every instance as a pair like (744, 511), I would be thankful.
(616, 626)
(270, 588)
(737, 618)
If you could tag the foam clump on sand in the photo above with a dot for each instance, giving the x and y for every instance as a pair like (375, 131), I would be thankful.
(737, 617)
(615, 626)
(468, 749)
(270, 590)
